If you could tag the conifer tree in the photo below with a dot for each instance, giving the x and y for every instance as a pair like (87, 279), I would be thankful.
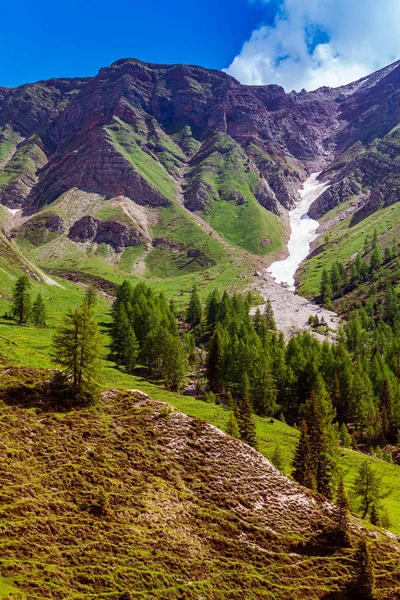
(376, 259)
(342, 527)
(91, 296)
(269, 316)
(39, 311)
(21, 309)
(175, 363)
(374, 516)
(367, 487)
(244, 416)
(194, 311)
(214, 362)
(277, 458)
(129, 349)
(365, 582)
(232, 425)
(303, 468)
(78, 350)
(212, 306)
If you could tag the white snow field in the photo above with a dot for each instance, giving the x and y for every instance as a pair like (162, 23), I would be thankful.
(303, 232)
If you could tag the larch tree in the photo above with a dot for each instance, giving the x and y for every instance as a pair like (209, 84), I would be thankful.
(367, 488)
(39, 311)
(78, 350)
(21, 309)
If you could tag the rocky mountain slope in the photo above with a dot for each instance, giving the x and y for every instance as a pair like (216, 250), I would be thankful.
(108, 163)
(131, 498)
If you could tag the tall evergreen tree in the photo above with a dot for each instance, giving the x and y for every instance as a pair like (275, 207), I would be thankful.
(194, 311)
(303, 468)
(91, 296)
(269, 316)
(365, 582)
(342, 526)
(129, 349)
(244, 416)
(214, 362)
(374, 516)
(367, 487)
(39, 311)
(78, 350)
(21, 308)
(232, 425)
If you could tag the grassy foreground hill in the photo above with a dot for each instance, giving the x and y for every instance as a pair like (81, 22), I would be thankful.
(132, 499)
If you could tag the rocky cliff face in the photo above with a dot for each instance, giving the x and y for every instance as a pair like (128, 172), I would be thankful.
(158, 133)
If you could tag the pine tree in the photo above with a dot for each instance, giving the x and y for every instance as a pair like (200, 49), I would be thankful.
(78, 350)
(194, 311)
(21, 309)
(269, 316)
(365, 582)
(303, 468)
(232, 425)
(119, 328)
(374, 516)
(39, 311)
(342, 526)
(214, 362)
(129, 349)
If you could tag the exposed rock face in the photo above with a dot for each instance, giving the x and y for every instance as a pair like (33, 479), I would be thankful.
(115, 234)
(131, 130)
(39, 228)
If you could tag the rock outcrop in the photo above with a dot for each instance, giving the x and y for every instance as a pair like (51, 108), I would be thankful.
(116, 234)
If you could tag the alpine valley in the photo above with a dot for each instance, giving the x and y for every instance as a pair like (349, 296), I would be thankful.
(174, 423)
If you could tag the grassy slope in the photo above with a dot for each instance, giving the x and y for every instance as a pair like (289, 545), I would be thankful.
(126, 496)
(345, 242)
(32, 347)
(225, 168)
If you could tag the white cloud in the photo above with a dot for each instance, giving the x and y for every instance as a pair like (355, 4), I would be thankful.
(321, 42)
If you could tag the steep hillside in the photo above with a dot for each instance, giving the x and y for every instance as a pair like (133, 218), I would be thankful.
(133, 499)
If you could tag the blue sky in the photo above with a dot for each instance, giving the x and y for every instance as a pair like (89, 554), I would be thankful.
(44, 39)
(295, 43)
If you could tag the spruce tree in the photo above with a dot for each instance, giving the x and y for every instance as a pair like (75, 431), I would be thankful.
(214, 362)
(39, 311)
(365, 582)
(21, 308)
(342, 526)
(212, 306)
(232, 425)
(78, 350)
(194, 311)
(303, 468)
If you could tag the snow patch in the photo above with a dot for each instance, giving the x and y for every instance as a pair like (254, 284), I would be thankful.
(303, 232)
